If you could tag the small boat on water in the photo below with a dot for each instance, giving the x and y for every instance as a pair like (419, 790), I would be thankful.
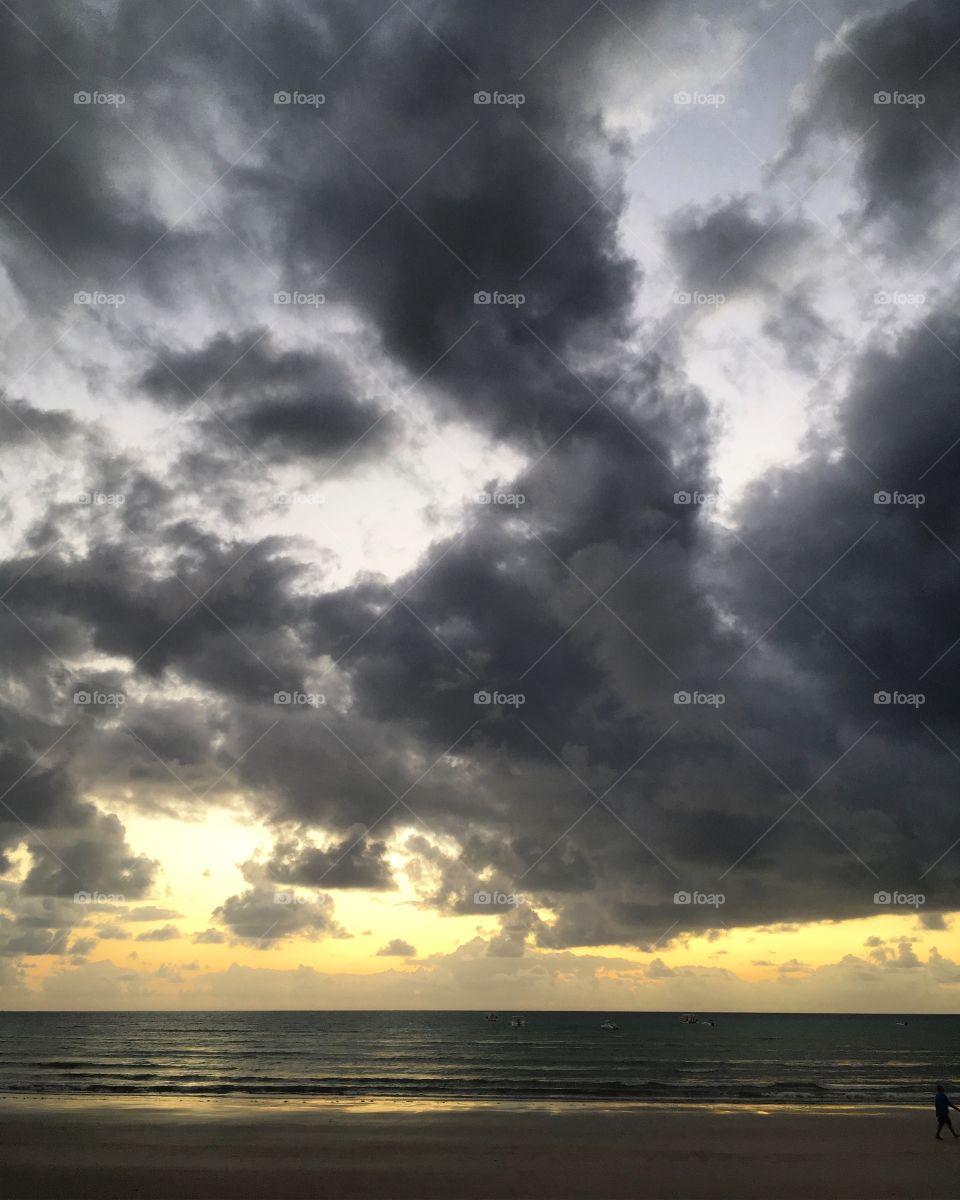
(518, 1022)
(902, 1024)
(609, 1025)
(693, 1019)
(492, 1017)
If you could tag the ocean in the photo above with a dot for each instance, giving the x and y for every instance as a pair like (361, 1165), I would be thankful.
(744, 1057)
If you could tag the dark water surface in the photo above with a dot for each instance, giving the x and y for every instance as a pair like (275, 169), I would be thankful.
(652, 1056)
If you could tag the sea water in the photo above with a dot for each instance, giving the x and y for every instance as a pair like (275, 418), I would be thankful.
(743, 1057)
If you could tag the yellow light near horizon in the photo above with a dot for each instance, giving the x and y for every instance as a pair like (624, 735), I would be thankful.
(201, 866)
(815, 944)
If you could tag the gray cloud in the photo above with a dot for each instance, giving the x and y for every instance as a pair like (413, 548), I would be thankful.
(397, 948)
(209, 937)
(165, 933)
(151, 912)
(258, 917)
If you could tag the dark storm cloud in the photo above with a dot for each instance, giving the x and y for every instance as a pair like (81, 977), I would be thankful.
(796, 703)
(96, 859)
(353, 863)
(495, 609)
(277, 404)
(73, 847)
(899, 622)
(327, 181)
(501, 600)
(216, 597)
(885, 609)
(906, 163)
(69, 220)
(511, 602)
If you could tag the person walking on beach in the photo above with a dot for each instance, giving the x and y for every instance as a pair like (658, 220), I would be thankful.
(941, 1102)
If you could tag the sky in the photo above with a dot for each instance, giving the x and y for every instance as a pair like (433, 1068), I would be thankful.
(479, 505)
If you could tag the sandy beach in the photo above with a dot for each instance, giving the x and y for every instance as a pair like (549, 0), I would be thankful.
(207, 1149)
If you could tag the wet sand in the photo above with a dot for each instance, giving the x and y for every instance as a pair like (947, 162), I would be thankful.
(176, 1149)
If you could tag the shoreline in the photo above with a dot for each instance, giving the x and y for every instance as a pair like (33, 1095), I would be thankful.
(376, 1103)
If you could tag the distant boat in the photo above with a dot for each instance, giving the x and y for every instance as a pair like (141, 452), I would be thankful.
(693, 1019)
(609, 1025)
(492, 1017)
(518, 1022)
(902, 1023)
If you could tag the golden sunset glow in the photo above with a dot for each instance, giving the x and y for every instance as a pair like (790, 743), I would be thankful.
(202, 861)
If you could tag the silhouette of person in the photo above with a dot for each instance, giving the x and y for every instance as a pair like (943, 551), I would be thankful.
(941, 1102)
